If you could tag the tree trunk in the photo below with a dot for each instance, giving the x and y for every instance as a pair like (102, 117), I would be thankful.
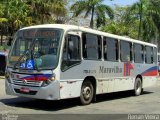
(1, 39)
(92, 16)
(140, 24)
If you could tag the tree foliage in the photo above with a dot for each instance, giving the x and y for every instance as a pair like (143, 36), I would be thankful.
(139, 21)
(146, 11)
(15, 14)
(95, 8)
(123, 24)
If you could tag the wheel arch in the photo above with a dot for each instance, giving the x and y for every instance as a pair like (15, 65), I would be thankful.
(140, 76)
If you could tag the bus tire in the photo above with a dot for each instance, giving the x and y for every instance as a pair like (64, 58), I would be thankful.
(137, 87)
(87, 93)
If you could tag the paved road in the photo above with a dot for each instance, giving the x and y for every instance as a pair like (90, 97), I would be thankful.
(114, 103)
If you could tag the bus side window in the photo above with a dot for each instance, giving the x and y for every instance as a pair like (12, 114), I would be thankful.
(126, 54)
(71, 52)
(91, 44)
(155, 55)
(149, 55)
(138, 53)
(110, 49)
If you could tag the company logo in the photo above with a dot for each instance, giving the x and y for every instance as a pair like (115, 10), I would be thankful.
(127, 69)
(24, 81)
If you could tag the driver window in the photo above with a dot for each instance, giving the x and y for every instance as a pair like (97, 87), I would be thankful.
(71, 51)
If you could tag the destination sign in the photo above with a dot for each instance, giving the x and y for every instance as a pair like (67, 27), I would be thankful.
(42, 33)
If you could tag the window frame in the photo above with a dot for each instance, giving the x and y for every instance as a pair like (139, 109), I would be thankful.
(99, 41)
(131, 51)
(80, 54)
(105, 39)
(155, 55)
(151, 57)
(142, 54)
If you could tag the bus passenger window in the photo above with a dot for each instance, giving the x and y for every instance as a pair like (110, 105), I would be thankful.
(91, 44)
(110, 49)
(138, 53)
(126, 51)
(71, 52)
(149, 55)
(155, 55)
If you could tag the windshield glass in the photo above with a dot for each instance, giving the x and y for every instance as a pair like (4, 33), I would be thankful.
(35, 49)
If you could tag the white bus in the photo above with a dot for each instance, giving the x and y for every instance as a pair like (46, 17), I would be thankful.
(56, 62)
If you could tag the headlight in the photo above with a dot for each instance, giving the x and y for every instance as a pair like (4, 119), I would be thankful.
(49, 81)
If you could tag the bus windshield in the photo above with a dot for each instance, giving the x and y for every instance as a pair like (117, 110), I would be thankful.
(35, 49)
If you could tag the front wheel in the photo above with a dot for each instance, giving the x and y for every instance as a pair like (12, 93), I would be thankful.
(86, 93)
(137, 87)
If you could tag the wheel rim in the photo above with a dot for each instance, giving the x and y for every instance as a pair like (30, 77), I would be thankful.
(87, 92)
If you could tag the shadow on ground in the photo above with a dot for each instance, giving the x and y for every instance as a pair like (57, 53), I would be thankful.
(62, 104)
(118, 95)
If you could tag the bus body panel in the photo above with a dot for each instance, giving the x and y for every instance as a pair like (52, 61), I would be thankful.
(110, 77)
(70, 88)
(72, 82)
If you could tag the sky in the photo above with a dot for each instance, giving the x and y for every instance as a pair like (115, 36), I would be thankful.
(120, 2)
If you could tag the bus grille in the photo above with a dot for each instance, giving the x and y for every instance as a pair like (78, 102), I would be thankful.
(27, 83)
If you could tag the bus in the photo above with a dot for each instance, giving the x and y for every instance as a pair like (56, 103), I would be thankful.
(58, 61)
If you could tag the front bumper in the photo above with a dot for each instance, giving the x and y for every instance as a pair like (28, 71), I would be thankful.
(50, 92)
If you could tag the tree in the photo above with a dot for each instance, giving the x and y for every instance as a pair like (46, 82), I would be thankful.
(95, 8)
(144, 11)
(47, 11)
(58, 10)
(121, 24)
(17, 13)
(39, 10)
(3, 22)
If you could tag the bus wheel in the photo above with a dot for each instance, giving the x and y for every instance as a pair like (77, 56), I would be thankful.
(86, 93)
(137, 87)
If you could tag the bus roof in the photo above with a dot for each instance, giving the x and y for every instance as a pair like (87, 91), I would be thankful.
(84, 29)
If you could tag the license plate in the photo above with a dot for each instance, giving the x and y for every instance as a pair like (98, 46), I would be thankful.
(25, 90)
